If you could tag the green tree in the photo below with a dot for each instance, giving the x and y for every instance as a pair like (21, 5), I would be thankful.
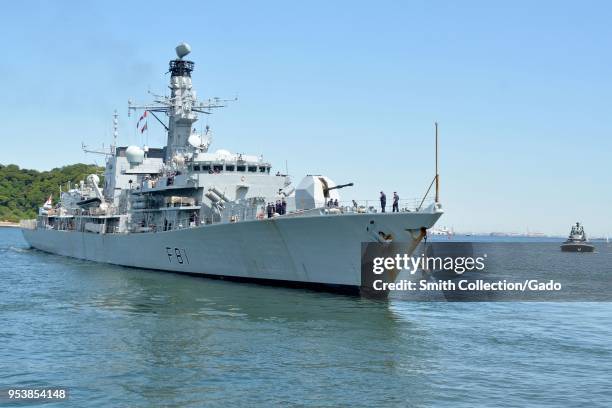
(23, 191)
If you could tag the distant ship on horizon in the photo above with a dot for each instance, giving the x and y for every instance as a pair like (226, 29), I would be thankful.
(577, 241)
(443, 231)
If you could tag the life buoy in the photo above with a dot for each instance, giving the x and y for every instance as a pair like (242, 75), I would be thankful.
(242, 178)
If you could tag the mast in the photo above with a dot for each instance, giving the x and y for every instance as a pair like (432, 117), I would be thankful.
(113, 147)
(182, 98)
(115, 132)
(437, 174)
(181, 106)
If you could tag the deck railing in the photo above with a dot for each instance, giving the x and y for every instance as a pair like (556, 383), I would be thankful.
(231, 215)
(374, 206)
(238, 214)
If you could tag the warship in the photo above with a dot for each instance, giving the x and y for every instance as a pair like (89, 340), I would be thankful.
(577, 241)
(186, 209)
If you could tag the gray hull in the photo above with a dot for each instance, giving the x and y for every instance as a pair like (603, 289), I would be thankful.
(577, 247)
(320, 251)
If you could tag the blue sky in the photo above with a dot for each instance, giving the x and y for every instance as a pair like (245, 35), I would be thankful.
(521, 90)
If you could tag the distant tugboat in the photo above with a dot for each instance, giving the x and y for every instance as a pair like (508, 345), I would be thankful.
(577, 241)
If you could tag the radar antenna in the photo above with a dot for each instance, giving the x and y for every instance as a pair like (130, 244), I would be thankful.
(181, 107)
(113, 147)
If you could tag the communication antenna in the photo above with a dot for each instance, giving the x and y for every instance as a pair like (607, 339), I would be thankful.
(437, 174)
(113, 148)
(115, 131)
(436, 179)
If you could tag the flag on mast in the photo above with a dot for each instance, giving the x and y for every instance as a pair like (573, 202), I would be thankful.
(49, 203)
(143, 128)
(143, 117)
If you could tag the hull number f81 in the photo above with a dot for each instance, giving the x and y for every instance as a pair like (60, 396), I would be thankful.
(177, 255)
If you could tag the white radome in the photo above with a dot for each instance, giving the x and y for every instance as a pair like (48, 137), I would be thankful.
(182, 50)
(195, 140)
(134, 154)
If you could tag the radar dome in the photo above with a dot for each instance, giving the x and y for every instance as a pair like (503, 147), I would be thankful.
(134, 154)
(182, 50)
(195, 140)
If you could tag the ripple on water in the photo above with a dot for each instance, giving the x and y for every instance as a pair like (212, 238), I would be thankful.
(126, 337)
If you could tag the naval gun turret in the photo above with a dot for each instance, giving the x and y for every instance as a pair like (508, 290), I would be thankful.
(314, 191)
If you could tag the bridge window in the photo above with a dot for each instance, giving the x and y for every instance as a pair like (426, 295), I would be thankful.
(206, 167)
(196, 168)
(229, 167)
(262, 169)
(217, 168)
(252, 169)
(240, 168)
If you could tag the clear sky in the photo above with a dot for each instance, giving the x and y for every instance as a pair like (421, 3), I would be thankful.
(522, 91)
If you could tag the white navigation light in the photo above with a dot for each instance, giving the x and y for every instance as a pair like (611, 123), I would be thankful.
(182, 50)
(134, 154)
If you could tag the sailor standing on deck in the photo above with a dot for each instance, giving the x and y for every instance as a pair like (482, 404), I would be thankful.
(395, 202)
(383, 201)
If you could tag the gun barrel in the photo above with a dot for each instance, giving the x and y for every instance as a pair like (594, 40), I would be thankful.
(340, 186)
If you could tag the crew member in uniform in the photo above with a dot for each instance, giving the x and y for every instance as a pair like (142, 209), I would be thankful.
(383, 201)
(395, 202)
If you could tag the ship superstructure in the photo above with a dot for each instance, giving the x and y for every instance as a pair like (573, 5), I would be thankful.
(184, 208)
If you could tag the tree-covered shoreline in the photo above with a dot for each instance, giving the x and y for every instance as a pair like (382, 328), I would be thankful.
(23, 191)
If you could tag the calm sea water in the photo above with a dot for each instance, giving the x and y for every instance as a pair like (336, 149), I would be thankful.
(123, 337)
